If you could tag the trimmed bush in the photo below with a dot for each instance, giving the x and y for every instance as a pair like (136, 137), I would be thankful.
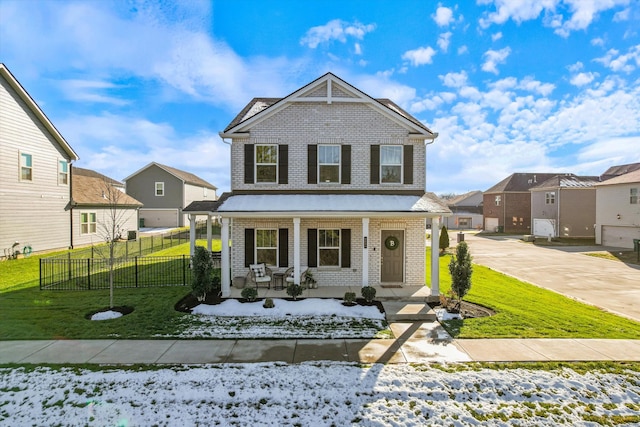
(444, 239)
(460, 268)
(268, 303)
(368, 293)
(294, 291)
(202, 274)
(250, 294)
(349, 297)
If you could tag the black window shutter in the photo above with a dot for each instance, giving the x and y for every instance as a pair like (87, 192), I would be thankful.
(408, 164)
(312, 164)
(346, 164)
(248, 164)
(283, 247)
(375, 164)
(312, 247)
(283, 164)
(345, 262)
(249, 243)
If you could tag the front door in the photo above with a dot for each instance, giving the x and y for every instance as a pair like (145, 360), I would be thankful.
(392, 262)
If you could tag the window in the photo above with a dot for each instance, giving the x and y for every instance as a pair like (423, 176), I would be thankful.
(498, 200)
(329, 247)
(159, 188)
(633, 196)
(266, 163)
(63, 172)
(204, 192)
(88, 223)
(267, 246)
(329, 163)
(391, 163)
(550, 198)
(26, 167)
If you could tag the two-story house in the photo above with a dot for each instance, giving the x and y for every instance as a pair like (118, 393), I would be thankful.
(331, 179)
(618, 210)
(35, 166)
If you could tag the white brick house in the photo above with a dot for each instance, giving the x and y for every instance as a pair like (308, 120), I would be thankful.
(331, 179)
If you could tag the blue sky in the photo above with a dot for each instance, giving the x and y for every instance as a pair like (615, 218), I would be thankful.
(510, 86)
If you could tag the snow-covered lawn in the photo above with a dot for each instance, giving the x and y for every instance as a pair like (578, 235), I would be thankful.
(318, 395)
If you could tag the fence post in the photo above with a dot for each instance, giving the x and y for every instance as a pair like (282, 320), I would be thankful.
(152, 243)
(89, 273)
(40, 273)
(69, 265)
(126, 249)
(184, 270)
(162, 241)
(136, 272)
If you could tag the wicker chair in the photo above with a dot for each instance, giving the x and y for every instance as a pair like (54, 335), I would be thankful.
(259, 275)
(288, 276)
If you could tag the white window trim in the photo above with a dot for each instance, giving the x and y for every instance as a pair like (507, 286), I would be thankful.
(339, 247)
(498, 200)
(256, 248)
(550, 198)
(88, 223)
(155, 189)
(634, 194)
(20, 154)
(60, 172)
(339, 164)
(401, 181)
(256, 164)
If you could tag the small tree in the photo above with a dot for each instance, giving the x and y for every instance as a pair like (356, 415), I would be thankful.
(460, 268)
(444, 239)
(202, 273)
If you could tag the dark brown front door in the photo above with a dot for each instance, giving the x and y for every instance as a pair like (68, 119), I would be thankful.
(392, 262)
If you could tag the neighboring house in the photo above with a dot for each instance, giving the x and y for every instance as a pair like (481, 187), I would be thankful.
(98, 203)
(564, 206)
(467, 211)
(35, 162)
(507, 205)
(618, 210)
(330, 179)
(618, 170)
(165, 192)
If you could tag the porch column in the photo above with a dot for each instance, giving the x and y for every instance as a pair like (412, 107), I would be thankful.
(296, 251)
(192, 235)
(365, 252)
(435, 257)
(224, 265)
(209, 233)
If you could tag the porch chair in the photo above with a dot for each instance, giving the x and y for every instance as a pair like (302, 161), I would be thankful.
(288, 276)
(259, 275)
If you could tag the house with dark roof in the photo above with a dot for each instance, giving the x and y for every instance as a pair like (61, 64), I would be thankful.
(564, 206)
(165, 191)
(35, 163)
(98, 203)
(618, 170)
(327, 180)
(618, 210)
(467, 211)
(507, 205)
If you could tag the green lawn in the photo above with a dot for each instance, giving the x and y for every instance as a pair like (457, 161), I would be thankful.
(527, 311)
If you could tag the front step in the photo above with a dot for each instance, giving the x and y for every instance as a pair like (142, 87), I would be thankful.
(408, 311)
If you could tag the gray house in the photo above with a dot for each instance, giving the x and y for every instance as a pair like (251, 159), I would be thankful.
(564, 206)
(618, 210)
(35, 166)
(165, 192)
(467, 211)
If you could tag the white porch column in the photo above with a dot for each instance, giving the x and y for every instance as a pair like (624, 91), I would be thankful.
(435, 257)
(365, 252)
(209, 233)
(192, 235)
(224, 265)
(296, 251)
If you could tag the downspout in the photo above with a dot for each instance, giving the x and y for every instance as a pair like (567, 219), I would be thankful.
(71, 205)
(558, 206)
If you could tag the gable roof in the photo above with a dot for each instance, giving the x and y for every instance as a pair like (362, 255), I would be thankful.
(567, 181)
(185, 177)
(628, 178)
(76, 171)
(24, 95)
(519, 182)
(335, 90)
(88, 189)
(618, 170)
(460, 199)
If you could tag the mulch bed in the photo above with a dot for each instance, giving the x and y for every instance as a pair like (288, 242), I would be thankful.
(468, 310)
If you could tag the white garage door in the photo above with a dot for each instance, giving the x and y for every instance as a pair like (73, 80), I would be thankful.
(619, 237)
(159, 217)
(544, 227)
(490, 224)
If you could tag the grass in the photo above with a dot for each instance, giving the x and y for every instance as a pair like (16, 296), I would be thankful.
(628, 257)
(527, 311)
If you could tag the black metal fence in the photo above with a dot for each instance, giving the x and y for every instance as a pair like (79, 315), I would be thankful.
(72, 274)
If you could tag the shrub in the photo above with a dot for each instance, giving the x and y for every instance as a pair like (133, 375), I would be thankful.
(250, 294)
(444, 239)
(202, 274)
(460, 268)
(294, 291)
(268, 303)
(368, 293)
(349, 297)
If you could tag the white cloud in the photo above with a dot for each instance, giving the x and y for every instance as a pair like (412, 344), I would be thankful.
(455, 80)
(623, 15)
(89, 91)
(597, 41)
(582, 79)
(519, 11)
(493, 58)
(531, 85)
(463, 49)
(443, 16)
(444, 40)
(497, 36)
(335, 30)
(617, 62)
(420, 56)
(575, 67)
(357, 49)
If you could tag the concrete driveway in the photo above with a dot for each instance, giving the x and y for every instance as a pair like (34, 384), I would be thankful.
(610, 285)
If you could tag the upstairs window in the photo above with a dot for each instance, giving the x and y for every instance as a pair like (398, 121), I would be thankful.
(391, 164)
(88, 223)
(63, 172)
(633, 196)
(267, 246)
(498, 200)
(26, 167)
(266, 164)
(159, 188)
(550, 198)
(329, 247)
(329, 163)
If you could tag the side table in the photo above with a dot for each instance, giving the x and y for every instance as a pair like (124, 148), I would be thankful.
(278, 281)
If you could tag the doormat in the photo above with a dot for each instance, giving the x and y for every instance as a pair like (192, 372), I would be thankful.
(391, 286)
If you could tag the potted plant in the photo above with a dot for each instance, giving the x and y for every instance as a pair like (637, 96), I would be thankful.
(310, 281)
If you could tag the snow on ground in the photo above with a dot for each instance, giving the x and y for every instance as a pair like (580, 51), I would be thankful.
(319, 394)
(106, 315)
